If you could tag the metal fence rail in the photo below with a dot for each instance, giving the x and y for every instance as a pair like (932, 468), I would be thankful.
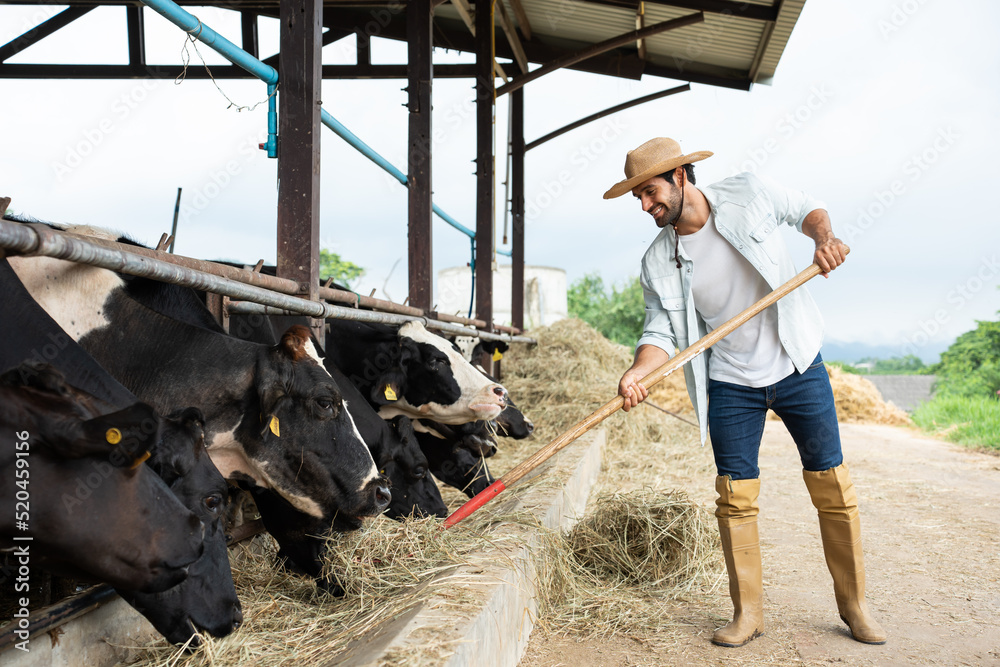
(39, 240)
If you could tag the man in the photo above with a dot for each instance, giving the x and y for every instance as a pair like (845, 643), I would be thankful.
(718, 253)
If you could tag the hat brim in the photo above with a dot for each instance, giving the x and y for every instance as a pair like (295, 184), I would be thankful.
(622, 187)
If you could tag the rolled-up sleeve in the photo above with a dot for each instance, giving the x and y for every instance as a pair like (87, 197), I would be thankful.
(790, 206)
(657, 329)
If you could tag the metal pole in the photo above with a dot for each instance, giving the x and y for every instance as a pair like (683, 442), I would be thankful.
(173, 227)
(607, 112)
(338, 313)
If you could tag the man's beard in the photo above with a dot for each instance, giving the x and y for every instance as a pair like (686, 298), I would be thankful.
(673, 213)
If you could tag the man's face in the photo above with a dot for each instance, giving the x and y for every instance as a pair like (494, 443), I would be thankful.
(660, 199)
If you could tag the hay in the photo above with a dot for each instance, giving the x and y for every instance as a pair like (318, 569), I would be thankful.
(385, 568)
(619, 568)
(858, 401)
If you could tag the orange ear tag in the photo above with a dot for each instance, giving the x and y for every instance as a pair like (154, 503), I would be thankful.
(113, 436)
(497, 356)
(390, 395)
(139, 461)
(273, 425)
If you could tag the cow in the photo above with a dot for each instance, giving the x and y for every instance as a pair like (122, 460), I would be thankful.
(206, 601)
(274, 417)
(207, 597)
(413, 372)
(90, 507)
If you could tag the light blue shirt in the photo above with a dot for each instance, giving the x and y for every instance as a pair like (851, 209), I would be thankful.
(748, 209)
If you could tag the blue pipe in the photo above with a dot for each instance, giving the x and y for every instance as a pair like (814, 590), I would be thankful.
(190, 24)
(272, 121)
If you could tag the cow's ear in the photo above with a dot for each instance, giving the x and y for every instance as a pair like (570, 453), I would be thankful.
(126, 437)
(388, 387)
(273, 376)
(294, 343)
(409, 352)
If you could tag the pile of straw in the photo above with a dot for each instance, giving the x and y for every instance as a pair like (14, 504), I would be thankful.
(858, 401)
(618, 568)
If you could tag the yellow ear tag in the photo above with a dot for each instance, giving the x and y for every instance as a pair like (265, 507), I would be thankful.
(139, 461)
(113, 436)
(390, 395)
(497, 356)
(274, 426)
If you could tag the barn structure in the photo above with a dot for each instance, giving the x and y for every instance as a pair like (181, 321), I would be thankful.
(722, 43)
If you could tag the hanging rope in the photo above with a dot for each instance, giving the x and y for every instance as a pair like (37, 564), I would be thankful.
(191, 38)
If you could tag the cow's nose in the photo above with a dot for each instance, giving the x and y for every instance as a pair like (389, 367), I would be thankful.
(528, 425)
(501, 393)
(382, 497)
(237, 615)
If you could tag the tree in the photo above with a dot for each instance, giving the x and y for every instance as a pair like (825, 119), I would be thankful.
(971, 366)
(342, 271)
(618, 314)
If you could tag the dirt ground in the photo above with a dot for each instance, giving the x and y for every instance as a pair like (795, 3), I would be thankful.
(930, 515)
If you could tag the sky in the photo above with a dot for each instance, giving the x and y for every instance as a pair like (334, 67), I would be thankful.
(884, 110)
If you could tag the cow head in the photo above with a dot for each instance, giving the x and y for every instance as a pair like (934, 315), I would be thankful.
(452, 462)
(429, 378)
(96, 511)
(400, 458)
(206, 600)
(302, 442)
(513, 424)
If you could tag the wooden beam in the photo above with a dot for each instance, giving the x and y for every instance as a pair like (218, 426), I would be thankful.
(485, 108)
(298, 147)
(522, 18)
(512, 38)
(640, 23)
(468, 15)
(601, 47)
(420, 47)
(249, 33)
(136, 28)
(41, 31)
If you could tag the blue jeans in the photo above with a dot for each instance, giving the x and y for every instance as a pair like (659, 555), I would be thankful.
(804, 401)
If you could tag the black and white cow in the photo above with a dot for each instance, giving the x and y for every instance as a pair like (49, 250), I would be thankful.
(413, 372)
(274, 417)
(95, 511)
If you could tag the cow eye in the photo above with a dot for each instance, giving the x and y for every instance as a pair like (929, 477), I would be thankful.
(325, 403)
(213, 502)
(419, 472)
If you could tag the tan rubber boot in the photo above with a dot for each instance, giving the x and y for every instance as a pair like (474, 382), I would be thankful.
(840, 525)
(737, 514)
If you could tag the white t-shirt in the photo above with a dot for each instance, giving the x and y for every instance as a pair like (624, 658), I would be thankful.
(724, 283)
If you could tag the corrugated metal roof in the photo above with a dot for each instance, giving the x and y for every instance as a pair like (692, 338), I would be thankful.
(738, 49)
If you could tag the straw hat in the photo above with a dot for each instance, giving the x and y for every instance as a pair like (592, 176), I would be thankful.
(655, 157)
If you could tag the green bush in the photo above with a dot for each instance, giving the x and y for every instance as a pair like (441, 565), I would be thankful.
(971, 366)
(971, 421)
(618, 314)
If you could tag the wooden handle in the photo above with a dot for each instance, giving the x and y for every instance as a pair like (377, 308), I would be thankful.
(615, 404)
